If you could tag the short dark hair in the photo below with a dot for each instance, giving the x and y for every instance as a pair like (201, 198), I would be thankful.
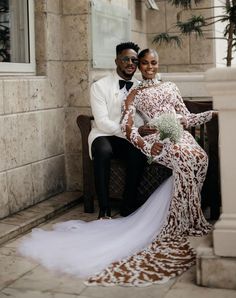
(147, 51)
(125, 46)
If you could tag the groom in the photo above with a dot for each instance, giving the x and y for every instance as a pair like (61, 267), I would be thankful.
(106, 140)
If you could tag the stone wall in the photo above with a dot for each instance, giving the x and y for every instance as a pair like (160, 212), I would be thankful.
(32, 162)
(76, 67)
(195, 55)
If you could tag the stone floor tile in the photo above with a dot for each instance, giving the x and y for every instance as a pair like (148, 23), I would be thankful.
(200, 292)
(7, 228)
(14, 243)
(24, 216)
(12, 268)
(155, 291)
(15, 293)
(187, 278)
(8, 251)
(41, 279)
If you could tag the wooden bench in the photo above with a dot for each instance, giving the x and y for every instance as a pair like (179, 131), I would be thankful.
(154, 174)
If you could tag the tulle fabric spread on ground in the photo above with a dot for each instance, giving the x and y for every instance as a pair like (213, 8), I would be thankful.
(84, 249)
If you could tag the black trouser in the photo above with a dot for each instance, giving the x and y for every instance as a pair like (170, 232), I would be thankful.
(103, 150)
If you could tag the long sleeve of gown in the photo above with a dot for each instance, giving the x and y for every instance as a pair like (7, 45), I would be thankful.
(130, 131)
(191, 118)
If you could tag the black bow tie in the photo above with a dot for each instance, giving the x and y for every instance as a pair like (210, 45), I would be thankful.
(127, 84)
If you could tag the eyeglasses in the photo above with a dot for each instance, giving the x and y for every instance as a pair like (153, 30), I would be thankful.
(126, 60)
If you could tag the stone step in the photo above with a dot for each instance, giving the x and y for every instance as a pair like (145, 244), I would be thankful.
(21, 222)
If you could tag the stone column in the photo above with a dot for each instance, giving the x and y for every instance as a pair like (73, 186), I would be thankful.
(216, 264)
(221, 84)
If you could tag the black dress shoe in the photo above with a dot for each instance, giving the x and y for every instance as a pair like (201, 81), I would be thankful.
(104, 214)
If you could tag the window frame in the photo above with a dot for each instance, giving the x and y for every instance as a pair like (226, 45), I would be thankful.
(27, 68)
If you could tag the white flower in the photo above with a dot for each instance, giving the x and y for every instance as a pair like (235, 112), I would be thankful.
(168, 126)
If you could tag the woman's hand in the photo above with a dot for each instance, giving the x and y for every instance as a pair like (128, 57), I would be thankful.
(156, 149)
(145, 130)
(183, 122)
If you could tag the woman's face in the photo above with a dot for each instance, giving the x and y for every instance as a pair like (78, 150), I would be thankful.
(148, 65)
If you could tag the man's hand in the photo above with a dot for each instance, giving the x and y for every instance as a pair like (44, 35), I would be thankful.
(156, 149)
(215, 114)
(146, 130)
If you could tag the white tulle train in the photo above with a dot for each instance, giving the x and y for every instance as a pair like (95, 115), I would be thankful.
(86, 248)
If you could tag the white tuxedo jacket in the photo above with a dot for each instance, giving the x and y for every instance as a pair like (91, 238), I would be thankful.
(106, 101)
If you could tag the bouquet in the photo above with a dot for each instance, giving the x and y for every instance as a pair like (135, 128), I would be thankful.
(169, 126)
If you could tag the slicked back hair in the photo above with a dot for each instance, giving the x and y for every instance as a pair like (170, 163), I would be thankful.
(147, 51)
(126, 46)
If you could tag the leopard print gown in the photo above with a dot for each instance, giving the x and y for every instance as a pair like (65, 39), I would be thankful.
(170, 254)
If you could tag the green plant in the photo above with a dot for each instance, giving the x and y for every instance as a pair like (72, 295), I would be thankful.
(197, 23)
(4, 31)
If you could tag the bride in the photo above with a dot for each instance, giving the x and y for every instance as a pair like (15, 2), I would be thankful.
(151, 245)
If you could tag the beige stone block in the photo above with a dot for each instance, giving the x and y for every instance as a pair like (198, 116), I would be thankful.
(169, 54)
(41, 67)
(76, 80)
(1, 99)
(74, 172)
(4, 207)
(171, 14)
(40, 6)
(54, 86)
(54, 38)
(3, 162)
(75, 6)
(162, 69)
(29, 137)
(139, 38)
(171, 17)
(214, 271)
(76, 37)
(72, 133)
(40, 42)
(52, 125)
(189, 68)
(54, 6)
(11, 140)
(16, 97)
(48, 178)
(138, 16)
(20, 188)
(201, 50)
(156, 19)
(37, 93)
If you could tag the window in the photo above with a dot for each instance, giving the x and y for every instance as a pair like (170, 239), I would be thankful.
(110, 26)
(17, 37)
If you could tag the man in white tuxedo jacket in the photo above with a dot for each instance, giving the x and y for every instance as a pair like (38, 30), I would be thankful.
(106, 140)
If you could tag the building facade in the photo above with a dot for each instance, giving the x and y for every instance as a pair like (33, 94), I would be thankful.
(40, 141)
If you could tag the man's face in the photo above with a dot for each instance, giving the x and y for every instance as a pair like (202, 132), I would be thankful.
(126, 63)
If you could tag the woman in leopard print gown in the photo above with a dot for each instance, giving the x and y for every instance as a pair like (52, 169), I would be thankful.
(170, 253)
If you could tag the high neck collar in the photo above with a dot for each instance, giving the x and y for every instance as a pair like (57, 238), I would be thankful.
(148, 83)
